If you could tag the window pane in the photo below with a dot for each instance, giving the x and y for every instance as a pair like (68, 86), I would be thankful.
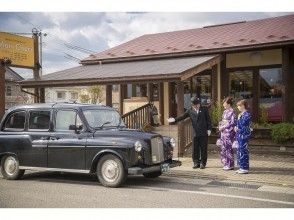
(201, 87)
(96, 118)
(64, 119)
(39, 120)
(271, 93)
(16, 120)
(241, 85)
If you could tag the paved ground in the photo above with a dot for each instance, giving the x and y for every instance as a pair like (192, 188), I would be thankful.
(264, 169)
(76, 190)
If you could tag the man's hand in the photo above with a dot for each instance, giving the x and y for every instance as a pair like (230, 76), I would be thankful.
(208, 132)
(171, 120)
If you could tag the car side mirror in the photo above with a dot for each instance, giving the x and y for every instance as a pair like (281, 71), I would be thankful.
(75, 128)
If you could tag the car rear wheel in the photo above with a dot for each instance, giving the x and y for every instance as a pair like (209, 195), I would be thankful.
(10, 168)
(152, 174)
(110, 171)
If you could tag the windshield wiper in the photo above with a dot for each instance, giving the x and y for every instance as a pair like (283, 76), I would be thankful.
(105, 123)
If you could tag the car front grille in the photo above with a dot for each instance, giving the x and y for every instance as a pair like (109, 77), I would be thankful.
(157, 151)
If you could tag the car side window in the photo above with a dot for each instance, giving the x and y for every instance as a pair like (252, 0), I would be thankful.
(16, 121)
(65, 118)
(39, 120)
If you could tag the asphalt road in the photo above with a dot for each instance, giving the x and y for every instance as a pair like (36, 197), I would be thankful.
(79, 190)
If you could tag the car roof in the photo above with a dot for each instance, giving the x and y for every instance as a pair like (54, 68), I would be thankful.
(60, 105)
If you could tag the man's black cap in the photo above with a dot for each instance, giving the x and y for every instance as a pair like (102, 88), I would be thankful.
(195, 101)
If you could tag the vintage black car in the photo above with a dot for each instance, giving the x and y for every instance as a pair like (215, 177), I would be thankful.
(84, 138)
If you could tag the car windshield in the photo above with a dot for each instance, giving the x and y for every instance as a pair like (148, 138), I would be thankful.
(98, 118)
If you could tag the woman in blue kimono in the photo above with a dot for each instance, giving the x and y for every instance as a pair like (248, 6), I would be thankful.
(243, 133)
(226, 128)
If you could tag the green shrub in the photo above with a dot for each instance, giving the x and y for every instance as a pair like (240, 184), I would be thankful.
(263, 117)
(283, 132)
(216, 111)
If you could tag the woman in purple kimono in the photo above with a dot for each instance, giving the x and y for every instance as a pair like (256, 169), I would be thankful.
(243, 133)
(226, 128)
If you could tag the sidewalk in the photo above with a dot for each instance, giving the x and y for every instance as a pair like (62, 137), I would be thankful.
(264, 169)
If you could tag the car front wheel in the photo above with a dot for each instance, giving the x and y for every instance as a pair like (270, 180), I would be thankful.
(10, 168)
(110, 171)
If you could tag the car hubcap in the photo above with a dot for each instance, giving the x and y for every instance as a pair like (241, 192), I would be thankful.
(10, 165)
(110, 170)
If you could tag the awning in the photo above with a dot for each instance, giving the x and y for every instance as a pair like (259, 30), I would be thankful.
(126, 72)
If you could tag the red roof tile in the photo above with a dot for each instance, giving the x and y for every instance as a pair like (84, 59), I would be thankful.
(270, 30)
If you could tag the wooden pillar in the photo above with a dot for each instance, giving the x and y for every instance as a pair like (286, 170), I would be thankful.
(180, 111)
(256, 95)
(42, 95)
(214, 86)
(287, 75)
(150, 92)
(122, 96)
(109, 95)
(161, 102)
(2, 90)
(224, 79)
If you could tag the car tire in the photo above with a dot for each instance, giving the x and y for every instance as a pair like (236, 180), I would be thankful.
(10, 168)
(110, 171)
(152, 174)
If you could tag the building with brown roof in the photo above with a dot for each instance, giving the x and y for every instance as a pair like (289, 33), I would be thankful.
(251, 60)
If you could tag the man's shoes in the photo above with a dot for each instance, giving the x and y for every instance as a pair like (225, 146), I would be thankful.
(196, 166)
(202, 166)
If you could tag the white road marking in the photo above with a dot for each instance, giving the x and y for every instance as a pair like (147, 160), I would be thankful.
(276, 189)
(219, 195)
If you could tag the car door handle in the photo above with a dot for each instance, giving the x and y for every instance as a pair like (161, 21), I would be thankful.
(54, 138)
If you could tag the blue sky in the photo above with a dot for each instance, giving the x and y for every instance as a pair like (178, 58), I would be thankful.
(99, 31)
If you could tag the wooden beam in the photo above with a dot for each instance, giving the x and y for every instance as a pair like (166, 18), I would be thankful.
(224, 78)
(150, 92)
(199, 68)
(286, 75)
(2, 90)
(214, 86)
(91, 82)
(109, 95)
(161, 102)
(42, 95)
(256, 95)
(122, 95)
(180, 111)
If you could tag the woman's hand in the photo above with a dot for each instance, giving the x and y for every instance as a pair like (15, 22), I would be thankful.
(235, 129)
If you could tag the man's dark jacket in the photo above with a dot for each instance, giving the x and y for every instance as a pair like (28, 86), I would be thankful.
(201, 122)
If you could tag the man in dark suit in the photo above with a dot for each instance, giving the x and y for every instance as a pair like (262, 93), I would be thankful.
(201, 124)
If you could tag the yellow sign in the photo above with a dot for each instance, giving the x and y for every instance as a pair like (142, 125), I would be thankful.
(19, 49)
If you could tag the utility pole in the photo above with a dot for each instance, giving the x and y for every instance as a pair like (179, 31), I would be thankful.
(38, 91)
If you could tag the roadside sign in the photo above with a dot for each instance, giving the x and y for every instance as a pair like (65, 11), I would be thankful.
(19, 49)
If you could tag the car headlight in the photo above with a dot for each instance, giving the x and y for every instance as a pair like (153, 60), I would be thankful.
(138, 146)
(172, 142)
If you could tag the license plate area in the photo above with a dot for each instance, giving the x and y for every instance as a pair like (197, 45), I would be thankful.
(165, 168)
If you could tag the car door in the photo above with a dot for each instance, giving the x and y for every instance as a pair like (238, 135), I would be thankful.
(66, 148)
(39, 132)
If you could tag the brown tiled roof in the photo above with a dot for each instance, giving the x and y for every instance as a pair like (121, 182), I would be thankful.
(240, 34)
(160, 69)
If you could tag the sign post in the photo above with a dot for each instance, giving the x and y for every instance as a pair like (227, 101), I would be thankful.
(20, 52)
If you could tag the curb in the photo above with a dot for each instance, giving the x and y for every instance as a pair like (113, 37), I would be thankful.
(194, 175)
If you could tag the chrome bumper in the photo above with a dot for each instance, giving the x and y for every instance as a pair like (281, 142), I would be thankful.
(155, 168)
